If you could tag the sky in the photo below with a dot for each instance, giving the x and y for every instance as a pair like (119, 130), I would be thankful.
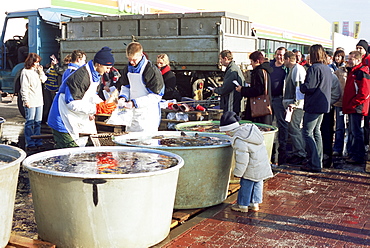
(331, 10)
(344, 10)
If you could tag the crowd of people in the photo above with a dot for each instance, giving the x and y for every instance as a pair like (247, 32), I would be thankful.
(312, 100)
(320, 103)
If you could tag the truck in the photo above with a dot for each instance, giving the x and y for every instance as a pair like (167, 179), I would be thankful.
(192, 41)
(44, 30)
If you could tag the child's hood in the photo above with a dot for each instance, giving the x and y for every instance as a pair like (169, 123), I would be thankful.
(249, 133)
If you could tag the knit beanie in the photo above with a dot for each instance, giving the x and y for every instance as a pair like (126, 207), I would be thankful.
(104, 57)
(364, 44)
(229, 121)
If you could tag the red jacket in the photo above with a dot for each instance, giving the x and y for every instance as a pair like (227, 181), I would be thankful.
(357, 91)
(366, 60)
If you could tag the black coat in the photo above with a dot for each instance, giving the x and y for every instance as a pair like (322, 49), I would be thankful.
(257, 88)
(170, 90)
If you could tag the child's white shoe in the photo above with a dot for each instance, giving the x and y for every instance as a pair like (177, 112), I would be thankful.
(254, 207)
(239, 208)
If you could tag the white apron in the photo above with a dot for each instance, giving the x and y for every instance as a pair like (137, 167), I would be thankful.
(146, 116)
(77, 122)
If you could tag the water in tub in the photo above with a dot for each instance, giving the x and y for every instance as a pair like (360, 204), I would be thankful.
(107, 163)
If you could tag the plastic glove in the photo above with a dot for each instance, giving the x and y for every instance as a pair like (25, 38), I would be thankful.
(129, 105)
(121, 102)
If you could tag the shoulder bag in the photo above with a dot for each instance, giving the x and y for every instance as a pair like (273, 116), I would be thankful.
(260, 105)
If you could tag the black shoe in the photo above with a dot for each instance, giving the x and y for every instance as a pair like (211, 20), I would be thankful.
(337, 154)
(40, 147)
(309, 169)
(297, 160)
(31, 148)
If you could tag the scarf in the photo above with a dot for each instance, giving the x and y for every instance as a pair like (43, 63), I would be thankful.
(165, 69)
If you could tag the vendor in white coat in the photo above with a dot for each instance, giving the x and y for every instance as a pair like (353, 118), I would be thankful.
(142, 90)
(74, 106)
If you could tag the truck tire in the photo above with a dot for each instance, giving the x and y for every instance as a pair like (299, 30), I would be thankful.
(48, 100)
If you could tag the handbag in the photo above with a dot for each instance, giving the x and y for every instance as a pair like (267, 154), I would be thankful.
(260, 105)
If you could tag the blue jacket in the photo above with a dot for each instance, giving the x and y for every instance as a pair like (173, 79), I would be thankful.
(317, 89)
(74, 88)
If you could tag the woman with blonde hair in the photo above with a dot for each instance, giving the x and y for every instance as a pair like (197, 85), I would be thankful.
(169, 78)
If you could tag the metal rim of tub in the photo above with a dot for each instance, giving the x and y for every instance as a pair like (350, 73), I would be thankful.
(119, 140)
(78, 150)
(203, 123)
(11, 149)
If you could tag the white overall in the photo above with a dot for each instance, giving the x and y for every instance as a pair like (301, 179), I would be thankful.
(75, 115)
(146, 116)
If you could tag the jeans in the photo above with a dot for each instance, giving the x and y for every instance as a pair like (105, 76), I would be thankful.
(357, 151)
(32, 126)
(312, 136)
(279, 113)
(250, 192)
(295, 132)
(339, 130)
(327, 132)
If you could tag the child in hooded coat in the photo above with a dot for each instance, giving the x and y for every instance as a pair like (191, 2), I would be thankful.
(252, 164)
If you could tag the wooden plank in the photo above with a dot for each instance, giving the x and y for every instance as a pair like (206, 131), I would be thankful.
(367, 169)
(184, 214)
(173, 121)
(174, 223)
(102, 123)
(233, 188)
(42, 136)
(24, 242)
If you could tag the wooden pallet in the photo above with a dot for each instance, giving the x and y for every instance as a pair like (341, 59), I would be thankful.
(23, 242)
(181, 215)
(102, 126)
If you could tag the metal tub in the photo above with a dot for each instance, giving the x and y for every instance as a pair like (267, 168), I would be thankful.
(8, 186)
(268, 136)
(103, 210)
(204, 178)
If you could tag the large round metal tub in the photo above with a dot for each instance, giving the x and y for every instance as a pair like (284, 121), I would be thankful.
(267, 135)
(204, 179)
(103, 210)
(10, 159)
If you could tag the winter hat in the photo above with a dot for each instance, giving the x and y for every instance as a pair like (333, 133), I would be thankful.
(104, 57)
(364, 44)
(229, 121)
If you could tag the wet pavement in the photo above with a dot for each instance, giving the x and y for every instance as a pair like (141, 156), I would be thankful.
(300, 209)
